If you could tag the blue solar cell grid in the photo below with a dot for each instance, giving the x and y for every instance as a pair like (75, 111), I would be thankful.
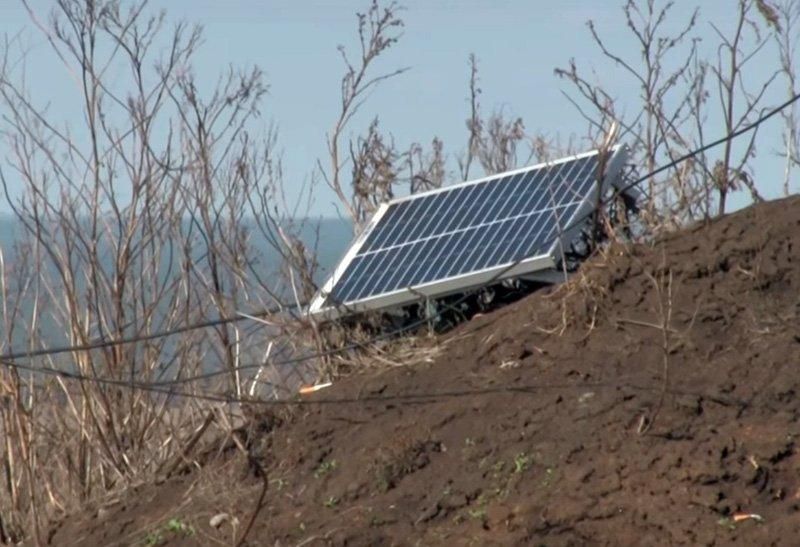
(467, 228)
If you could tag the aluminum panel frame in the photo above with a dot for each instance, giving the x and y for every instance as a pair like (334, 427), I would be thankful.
(540, 262)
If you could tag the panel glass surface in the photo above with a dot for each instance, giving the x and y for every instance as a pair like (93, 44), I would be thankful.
(466, 228)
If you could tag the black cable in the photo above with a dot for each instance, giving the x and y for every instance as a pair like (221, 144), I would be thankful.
(451, 306)
(419, 398)
(6, 359)
(100, 344)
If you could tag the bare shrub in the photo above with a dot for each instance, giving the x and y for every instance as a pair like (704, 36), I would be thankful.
(134, 224)
(786, 17)
(373, 156)
(495, 142)
(142, 220)
(675, 84)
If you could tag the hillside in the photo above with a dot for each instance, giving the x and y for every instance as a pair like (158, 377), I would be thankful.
(548, 422)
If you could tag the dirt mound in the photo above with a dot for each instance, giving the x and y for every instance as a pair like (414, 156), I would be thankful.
(652, 400)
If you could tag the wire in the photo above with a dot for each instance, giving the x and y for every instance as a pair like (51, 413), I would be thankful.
(418, 398)
(7, 359)
(100, 344)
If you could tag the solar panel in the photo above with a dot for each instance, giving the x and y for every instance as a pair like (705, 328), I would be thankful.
(455, 238)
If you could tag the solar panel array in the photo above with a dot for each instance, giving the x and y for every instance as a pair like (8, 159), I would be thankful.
(466, 228)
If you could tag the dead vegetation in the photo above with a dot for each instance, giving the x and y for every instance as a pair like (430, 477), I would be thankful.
(143, 221)
(553, 449)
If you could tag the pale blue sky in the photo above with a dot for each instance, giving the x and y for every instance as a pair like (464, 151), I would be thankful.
(518, 44)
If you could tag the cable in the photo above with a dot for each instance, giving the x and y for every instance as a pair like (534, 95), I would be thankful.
(7, 359)
(99, 344)
(419, 398)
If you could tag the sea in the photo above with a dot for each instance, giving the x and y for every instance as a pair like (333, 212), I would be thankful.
(328, 237)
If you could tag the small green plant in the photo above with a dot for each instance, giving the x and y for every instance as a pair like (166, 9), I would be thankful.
(479, 511)
(324, 468)
(176, 526)
(332, 501)
(521, 462)
(153, 538)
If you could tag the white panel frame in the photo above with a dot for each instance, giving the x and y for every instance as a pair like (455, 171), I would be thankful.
(465, 282)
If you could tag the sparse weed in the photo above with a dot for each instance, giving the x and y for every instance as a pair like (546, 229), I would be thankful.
(332, 501)
(521, 462)
(401, 458)
(324, 468)
(153, 538)
(174, 527)
(479, 511)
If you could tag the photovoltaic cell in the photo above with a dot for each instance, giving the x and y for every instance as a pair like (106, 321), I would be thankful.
(466, 228)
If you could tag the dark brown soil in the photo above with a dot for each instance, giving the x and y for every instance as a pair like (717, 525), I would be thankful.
(548, 422)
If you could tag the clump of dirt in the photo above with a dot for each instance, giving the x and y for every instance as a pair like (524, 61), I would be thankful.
(653, 399)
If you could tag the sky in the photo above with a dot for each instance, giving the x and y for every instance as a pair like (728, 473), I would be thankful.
(518, 44)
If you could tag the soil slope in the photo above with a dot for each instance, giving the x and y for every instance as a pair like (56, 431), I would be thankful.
(652, 400)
